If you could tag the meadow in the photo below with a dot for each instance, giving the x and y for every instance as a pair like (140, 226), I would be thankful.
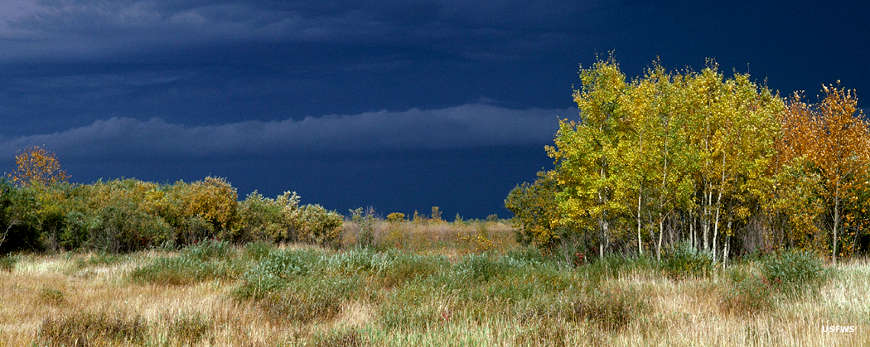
(425, 283)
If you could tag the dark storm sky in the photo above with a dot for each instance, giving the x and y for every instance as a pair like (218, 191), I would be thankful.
(396, 104)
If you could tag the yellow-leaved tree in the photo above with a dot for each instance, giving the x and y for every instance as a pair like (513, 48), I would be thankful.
(37, 165)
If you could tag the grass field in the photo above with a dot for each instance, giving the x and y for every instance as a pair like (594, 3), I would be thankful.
(422, 285)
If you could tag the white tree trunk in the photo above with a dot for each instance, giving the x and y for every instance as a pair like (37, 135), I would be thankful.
(639, 241)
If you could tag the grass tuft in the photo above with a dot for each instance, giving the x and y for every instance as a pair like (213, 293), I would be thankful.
(51, 296)
(189, 328)
(87, 328)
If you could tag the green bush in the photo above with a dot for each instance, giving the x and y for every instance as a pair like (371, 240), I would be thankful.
(319, 226)
(263, 218)
(793, 273)
(274, 272)
(785, 276)
(257, 250)
(685, 261)
(208, 250)
(198, 263)
(7, 262)
(479, 267)
(364, 218)
(20, 225)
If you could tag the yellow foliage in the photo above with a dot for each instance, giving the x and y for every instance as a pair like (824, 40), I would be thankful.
(37, 165)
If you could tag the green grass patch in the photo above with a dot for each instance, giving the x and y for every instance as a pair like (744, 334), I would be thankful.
(7, 262)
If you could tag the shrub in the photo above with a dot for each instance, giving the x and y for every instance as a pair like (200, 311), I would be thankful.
(86, 328)
(319, 226)
(7, 262)
(269, 219)
(793, 273)
(686, 261)
(535, 212)
(19, 218)
(213, 199)
(257, 250)
(479, 267)
(478, 241)
(208, 250)
(436, 214)
(193, 230)
(365, 221)
(192, 266)
(273, 272)
(396, 217)
(784, 276)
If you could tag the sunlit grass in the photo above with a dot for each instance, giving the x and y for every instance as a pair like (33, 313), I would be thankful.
(304, 295)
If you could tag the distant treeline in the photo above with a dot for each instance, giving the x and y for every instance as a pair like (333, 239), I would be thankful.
(722, 164)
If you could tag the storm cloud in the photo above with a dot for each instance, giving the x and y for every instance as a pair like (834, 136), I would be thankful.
(465, 126)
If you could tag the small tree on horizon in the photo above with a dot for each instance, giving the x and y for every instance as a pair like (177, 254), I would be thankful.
(37, 165)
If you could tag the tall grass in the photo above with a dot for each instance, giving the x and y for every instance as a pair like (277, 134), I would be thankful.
(266, 294)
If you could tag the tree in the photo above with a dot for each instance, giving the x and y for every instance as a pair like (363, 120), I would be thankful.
(839, 148)
(535, 212)
(585, 151)
(37, 165)
(830, 143)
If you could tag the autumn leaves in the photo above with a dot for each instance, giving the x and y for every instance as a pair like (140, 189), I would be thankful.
(697, 157)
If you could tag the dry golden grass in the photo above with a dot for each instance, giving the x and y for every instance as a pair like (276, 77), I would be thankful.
(44, 297)
(437, 238)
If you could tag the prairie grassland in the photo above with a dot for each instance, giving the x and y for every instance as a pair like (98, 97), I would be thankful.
(434, 291)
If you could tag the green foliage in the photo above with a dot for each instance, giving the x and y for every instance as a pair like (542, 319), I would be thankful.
(20, 224)
(535, 212)
(7, 262)
(206, 261)
(364, 218)
(269, 219)
(99, 259)
(129, 215)
(257, 250)
(780, 277)
(793, 274)
(685, 261)
(319, 226)
(273, 272)
(477, 267)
